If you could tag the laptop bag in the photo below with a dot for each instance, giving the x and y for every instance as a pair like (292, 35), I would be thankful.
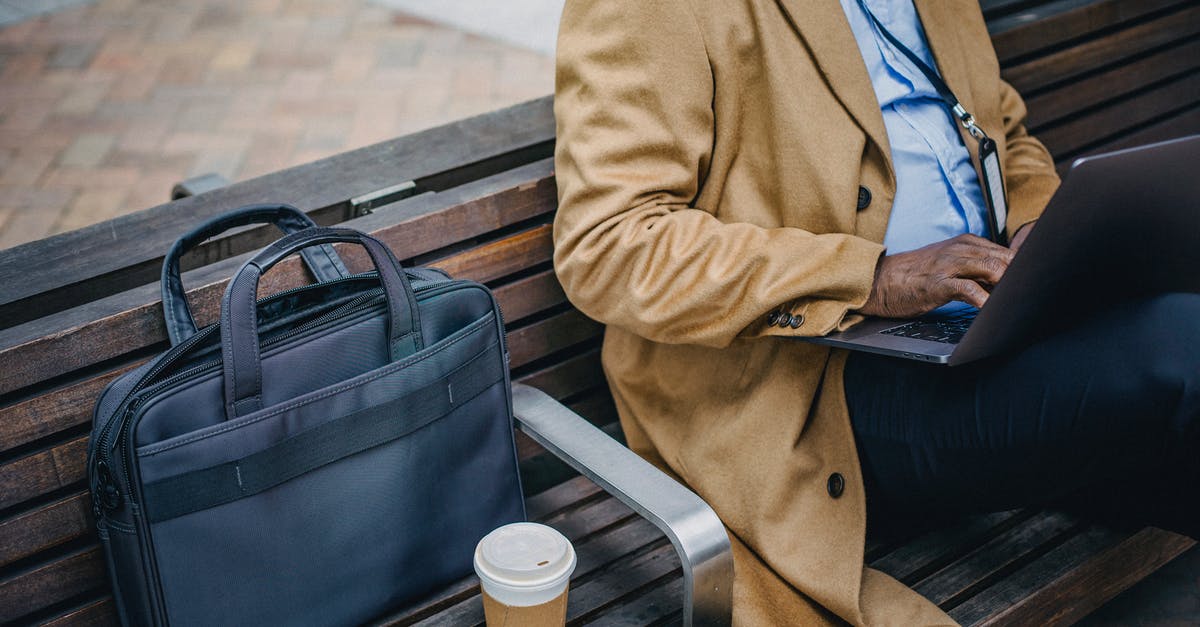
(319, 456)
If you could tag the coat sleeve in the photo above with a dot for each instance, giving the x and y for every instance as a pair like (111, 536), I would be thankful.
(1028, 167)
(634, 111)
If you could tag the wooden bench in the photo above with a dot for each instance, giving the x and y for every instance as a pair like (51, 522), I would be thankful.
(477, 198)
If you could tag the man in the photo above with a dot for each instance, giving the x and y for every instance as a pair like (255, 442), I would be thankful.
(729, 175)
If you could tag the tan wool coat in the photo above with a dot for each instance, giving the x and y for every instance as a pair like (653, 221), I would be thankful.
(709, 160)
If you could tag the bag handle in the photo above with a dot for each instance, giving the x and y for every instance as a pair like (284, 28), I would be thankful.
(323, 263)
(241, 362)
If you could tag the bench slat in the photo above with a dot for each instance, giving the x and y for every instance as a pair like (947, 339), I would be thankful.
(1185, 122)
(563, 330)
(660, 605)
(59, 522)
(1071, 581)
(930, 552)
(501, 258)
(1000, 555)
(45, 415)
(1059, 66)
(98, 613)
(1054, 23)
(40, 473)
(1076, 135)
(43, 586)
(1095, 90)
(572, 375)
(530, 295)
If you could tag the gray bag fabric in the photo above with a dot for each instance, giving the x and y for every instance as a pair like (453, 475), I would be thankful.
(317, 457)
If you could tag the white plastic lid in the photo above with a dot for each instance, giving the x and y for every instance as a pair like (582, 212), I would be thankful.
(524, 564)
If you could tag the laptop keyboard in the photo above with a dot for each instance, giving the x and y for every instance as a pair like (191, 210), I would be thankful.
(947, 329)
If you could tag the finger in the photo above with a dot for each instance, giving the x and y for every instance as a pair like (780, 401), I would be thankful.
(988, 269)
(967, 291)
(973, 245)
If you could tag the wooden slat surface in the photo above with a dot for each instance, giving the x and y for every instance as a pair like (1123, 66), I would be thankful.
(1077, 134)
(42, 472)
(49, 413)
(1096, 89)
(950, 585)
(46, 527)
(1073, 579)
(95, 613)
(1052, 24)
(1185, 122)
(1058, 66)
(40, 587)
(539, 339)
(929, 552)
(68, 269)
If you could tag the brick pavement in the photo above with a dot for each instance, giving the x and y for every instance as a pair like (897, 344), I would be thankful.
(104, 107)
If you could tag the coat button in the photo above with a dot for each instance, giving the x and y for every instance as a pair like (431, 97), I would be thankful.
(785, 320)
(835, 485)
(864, 198)
(773, 317)
(796, 321)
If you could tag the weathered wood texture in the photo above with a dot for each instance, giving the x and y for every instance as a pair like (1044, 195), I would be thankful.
(1096, 74)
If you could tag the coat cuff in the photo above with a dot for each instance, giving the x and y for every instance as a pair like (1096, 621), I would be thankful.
(814, 316)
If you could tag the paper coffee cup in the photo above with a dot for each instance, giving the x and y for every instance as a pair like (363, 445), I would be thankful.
(524, 570)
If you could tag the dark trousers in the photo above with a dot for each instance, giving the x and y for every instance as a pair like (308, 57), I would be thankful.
(1103, 416)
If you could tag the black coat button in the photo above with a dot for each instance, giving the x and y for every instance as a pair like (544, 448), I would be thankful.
(864, 198)
(773, 317)
(835, 485)
(796, 321)
(785, 320)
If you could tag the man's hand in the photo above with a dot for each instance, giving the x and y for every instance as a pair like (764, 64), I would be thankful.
(962, 268)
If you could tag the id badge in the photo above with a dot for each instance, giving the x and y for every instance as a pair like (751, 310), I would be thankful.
(993, 189)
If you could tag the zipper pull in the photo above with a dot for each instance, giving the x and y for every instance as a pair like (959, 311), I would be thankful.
(107, 492)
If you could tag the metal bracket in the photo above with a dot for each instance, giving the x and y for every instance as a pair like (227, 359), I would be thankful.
(690, 524)
(367, 203)
(198, 185)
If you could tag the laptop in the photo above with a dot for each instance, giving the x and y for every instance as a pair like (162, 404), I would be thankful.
(1122, 225)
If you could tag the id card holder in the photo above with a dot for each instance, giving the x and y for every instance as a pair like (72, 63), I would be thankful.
(993, 189)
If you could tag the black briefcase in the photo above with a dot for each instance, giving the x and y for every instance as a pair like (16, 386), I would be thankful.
(317, 457)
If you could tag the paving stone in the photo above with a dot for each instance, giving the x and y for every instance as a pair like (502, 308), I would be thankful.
(26, 166)
(31, 213)
(90, 206)
(87, 150)
(137, 95)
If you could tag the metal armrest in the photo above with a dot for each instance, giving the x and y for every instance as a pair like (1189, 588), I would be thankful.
(692, 526)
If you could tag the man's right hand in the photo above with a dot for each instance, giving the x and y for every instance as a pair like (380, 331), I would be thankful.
(963, 268)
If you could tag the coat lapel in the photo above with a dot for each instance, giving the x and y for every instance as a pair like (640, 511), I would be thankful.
(824, 30)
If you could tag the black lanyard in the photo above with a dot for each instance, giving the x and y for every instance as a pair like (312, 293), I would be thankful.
(993, 178)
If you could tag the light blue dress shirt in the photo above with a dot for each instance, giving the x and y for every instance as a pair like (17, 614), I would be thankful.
(938, 194)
